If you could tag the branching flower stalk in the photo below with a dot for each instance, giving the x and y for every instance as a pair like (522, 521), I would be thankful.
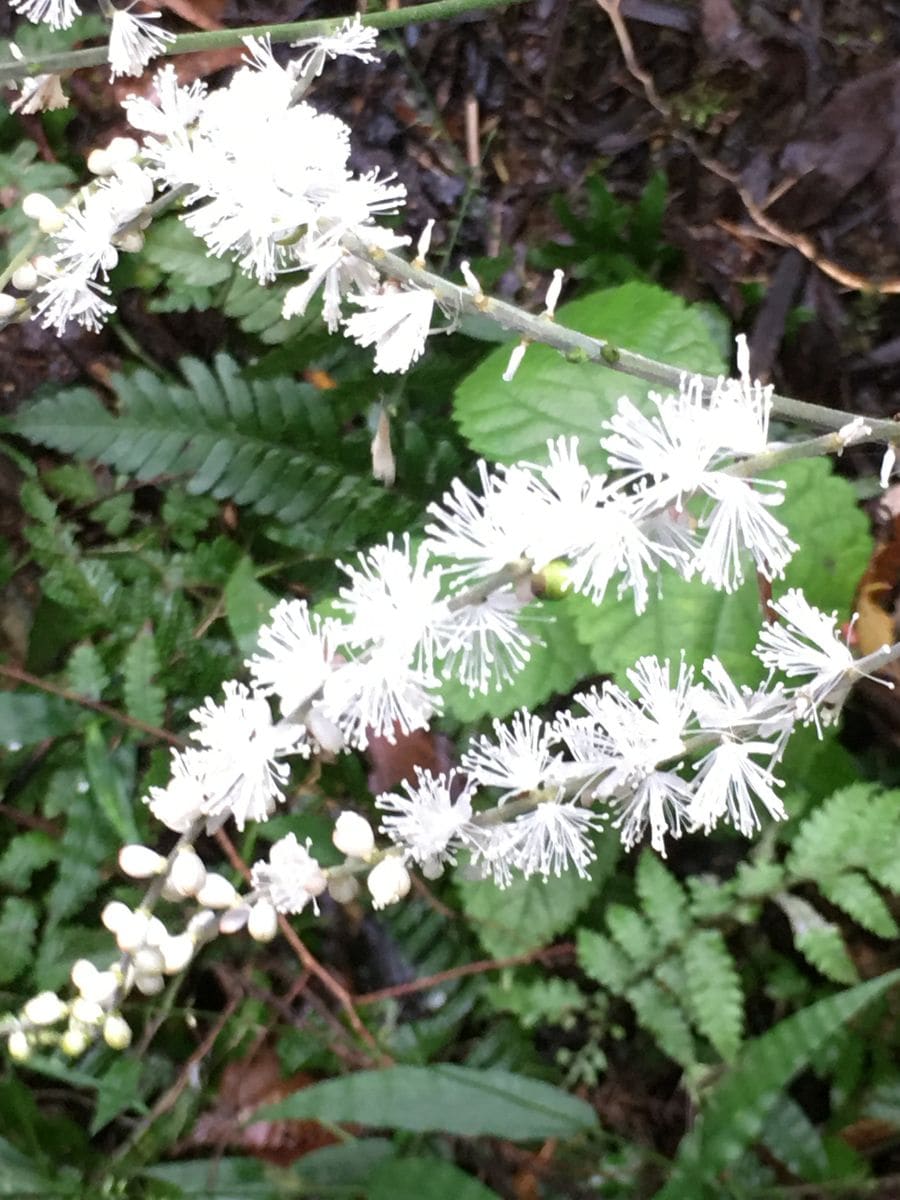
(668, 750)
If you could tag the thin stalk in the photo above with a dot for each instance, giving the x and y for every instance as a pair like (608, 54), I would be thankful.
(186, 43)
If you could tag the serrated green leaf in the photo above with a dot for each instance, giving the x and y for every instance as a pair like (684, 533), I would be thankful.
(426, 1179)
(18, 922)
(633, 934)
(601, 959)
(536, 1001)
(25, 854)
(247, 606)
(854, 895)
(171, 246)
(857, 827)
(145, 700)
(792, 1139)
(736, 1110)
(26, 718)
(663, 898)
(444, 1099)
(819, 941)
(550, 396)
(86, 672)
(556, 664)
(714, 991)
(662, 1017)
(527, 914)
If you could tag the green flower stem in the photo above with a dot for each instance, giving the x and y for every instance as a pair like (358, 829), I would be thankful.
(186, 43)
(457, 300)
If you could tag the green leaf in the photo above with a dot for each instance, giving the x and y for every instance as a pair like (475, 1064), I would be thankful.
(425, 1179)
(442, 1099)
(819, 941)
(858, 827)
(117, 1091)
(853, 893)
(25, 854)
(602, 960)
(23, 1179)
(633, 934)
(247, 606)
(791, 1138)
(558, 661)
(530, 912)
(346, 1163)
(273, 445)
(550, 396)
(144, 699)
(26, 719)
(86, 672)
(536, 1001)
(111, 783)
(737, 1108)
(663, 898)
(216, 1179)
(18, 922)
(660, 1014)
(714, 991)
(170, 245)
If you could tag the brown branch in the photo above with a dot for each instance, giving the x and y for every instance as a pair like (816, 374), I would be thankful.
(561, 953)
(106, 710)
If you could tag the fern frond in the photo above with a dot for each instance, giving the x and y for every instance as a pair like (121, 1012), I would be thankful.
(663, 899)
(853, 894)
(661, 1015)
(144, 699)
(603, 961)
(819, 941)
(714, 991)
(635, 935)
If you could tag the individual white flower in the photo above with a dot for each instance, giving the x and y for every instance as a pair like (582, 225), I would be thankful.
(376, 695)
(393, 602)
(741, 408)
(70, 295)
(134, 41)
(517, 760)
(740, 521)
(806, 644)
(483, 644)
(552, 838)
(58, 14)
(430, 821)
(396, 322)
(180, 804)
(297, 650)
(724, 708)
(37, 93)
(291, 878)
(352, 39)
(243, 771)
(482, 534)
(565, 506)
(727, 782)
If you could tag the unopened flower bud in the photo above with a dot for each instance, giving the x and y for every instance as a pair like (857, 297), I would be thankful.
(132, 933)
(36, 204)
(234, 919)
(149, 985)
(353, 835)
(132, 241)
(433, 868)
(188, 873)
(553, 293)
(116, 1032)
(156, 932)
(262, 924)
(87, 1012)
(74, 1041)
(552, 582)
(325, 731)
(177, 952)
(515, 361)
(83, 974)
(51, 222)
(25, 278)
(8, 305)
(384, 465)
(140, 862)
(343, 888)
(102, 989)
(217, 892)
(19, 1046)
(388, 882)
(115, 914)
(149, 961)
(45, 1008)
(203, 926)
(100, 162)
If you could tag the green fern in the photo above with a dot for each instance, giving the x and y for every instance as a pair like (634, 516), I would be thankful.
(714, 991)
(855, 895)
(736, 1111)
(144, 699)
(275, 446)
(663, 899)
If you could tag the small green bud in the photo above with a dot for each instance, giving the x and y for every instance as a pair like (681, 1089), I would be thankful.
(553, 581)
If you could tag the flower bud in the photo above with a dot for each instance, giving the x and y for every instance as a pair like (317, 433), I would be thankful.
(388, 882)
(203, 926)
(132, 933)
(74, 1041)
(132, 241)
(217, 892)
(116, 1032)
(188, 873)
(177, 952)
(353, 835)
(8, 305)
(115, 914)
(234, 919)
(83, 974)
(52, 222)
(19, 1046)
(262, 924)
(343, 888)
(149, 985)
(45, 1008)
(100, 162)
(25, 278)
(324, 730)
(140, 862)
(149, 961)
(36, 204)
(86, 1012)
(102, 989)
